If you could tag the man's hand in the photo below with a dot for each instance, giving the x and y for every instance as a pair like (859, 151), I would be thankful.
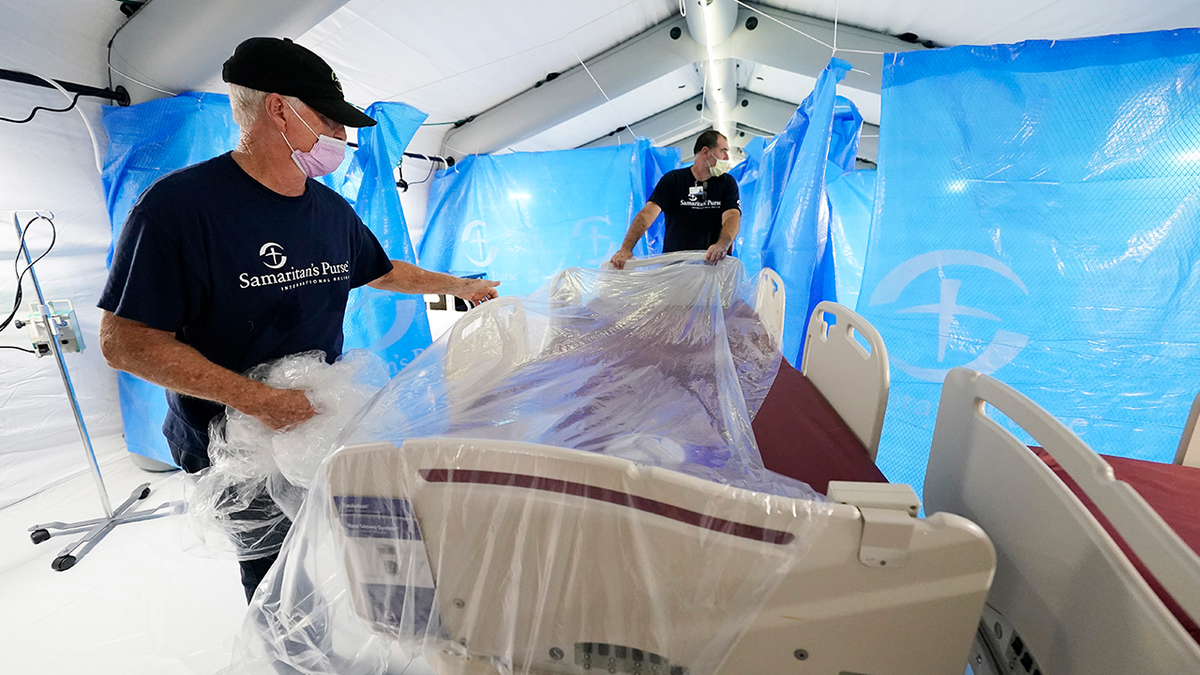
(281, 408)
(716, 253)
(621, 257)
(478, 290)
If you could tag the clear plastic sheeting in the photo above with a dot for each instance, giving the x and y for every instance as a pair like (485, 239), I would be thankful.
(259, 476)
(563, 482)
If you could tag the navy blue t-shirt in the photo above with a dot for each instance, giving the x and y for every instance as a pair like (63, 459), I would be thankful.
(693, 208)
(241, 273)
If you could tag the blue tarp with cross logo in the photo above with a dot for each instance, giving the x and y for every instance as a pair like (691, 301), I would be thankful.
(1038, 218)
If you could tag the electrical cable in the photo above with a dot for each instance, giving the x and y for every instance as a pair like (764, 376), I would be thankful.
(432, 166)
(20, 349)
(17, 264)
(832, 48)
(148, 86)
(42, 107)
(86, 123)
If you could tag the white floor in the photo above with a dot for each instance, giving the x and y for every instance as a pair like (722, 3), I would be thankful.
(145, 600)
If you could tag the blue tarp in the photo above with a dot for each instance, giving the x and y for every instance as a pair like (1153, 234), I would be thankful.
(1037, 219)
(151, 139)
(524, 216)
(785, 208)
(853, 198)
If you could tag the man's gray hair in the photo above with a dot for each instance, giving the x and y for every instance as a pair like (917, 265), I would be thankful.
(247, 104)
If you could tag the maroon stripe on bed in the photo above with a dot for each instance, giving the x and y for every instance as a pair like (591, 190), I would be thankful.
(517, 480)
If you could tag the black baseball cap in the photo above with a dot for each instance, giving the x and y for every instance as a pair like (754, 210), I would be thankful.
(280, 66)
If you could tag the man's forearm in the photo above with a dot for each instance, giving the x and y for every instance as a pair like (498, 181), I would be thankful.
(157, 357)
(730, 224)
(641, 223)
(407, 278)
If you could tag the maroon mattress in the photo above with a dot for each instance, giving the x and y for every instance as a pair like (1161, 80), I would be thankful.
(801, 436)
(1172, 491)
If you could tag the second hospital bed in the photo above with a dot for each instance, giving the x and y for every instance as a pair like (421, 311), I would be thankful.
(1097, 566)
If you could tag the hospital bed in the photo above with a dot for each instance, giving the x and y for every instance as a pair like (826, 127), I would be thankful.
(860, 585)
(1089, 577)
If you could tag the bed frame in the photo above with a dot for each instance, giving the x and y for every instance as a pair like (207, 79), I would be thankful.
(879, 591)
(1066, 600)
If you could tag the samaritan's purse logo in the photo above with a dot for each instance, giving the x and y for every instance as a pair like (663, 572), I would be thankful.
(319, 272)
(272, 255)
(1004, 345)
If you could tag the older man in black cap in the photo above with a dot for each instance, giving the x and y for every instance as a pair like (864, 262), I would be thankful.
(244, 258)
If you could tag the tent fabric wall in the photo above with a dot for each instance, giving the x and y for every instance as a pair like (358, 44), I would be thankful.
(48, 163)
(1037, 212)
(151, 139)
(522, 217)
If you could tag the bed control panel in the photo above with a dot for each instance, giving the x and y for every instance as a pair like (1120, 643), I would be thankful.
(1009, 653)
(602, 657)
(386, 559)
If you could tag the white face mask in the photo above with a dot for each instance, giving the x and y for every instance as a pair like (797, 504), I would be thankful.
(721, 167)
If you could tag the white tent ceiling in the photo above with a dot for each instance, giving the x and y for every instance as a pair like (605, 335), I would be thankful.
(483, 60)
(459, 58)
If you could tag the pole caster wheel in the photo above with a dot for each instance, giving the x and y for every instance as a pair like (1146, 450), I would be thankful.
(145, 493)
(63, 563)
(39, 535)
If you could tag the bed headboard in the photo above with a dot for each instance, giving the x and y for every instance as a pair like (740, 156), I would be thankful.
(853, 378)
(1075, 601)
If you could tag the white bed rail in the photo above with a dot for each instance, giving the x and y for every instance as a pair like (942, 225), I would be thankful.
(853, 378)
(1188, 453)
(1073, 597)
(770, 302)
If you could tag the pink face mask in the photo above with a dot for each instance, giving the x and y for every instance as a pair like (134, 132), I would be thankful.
(323, 158)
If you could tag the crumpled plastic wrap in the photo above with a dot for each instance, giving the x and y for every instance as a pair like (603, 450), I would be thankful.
(460, 522)
(259, 476)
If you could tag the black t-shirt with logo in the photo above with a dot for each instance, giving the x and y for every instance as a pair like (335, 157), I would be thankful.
(239, 272)
(693, 208)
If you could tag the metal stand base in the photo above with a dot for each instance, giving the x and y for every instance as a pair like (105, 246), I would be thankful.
(97, 528)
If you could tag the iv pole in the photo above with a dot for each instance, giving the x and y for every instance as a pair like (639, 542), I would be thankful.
(97, 528)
